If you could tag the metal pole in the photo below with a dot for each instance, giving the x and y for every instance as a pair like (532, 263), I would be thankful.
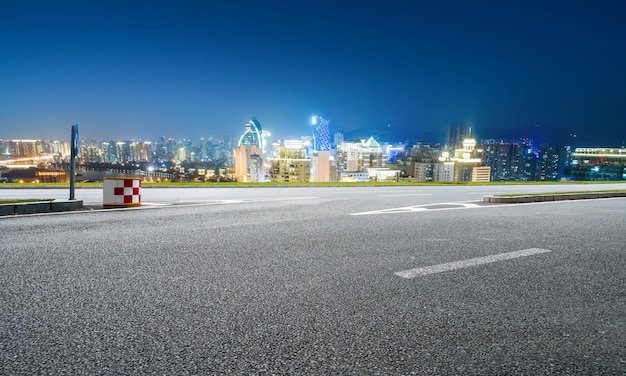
(73, 161)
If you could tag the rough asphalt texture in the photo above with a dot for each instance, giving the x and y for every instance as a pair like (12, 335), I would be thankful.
(300, 286)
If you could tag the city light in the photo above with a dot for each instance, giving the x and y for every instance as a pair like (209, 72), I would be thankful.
(184, 160)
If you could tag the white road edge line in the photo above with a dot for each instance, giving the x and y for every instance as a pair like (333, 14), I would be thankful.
(470, 262)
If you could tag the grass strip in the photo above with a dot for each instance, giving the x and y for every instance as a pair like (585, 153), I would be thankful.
(559, 193)
(23, 200)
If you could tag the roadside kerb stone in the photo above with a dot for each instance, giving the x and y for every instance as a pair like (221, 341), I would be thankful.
(566, 196)
(65, 205)
(551, 197)
(7, 209)
(40, 207)
(32, 207)
(611, 194)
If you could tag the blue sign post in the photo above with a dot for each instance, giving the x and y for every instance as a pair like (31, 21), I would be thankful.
(73, 154)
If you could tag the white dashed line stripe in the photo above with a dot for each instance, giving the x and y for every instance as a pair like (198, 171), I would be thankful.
(425, 207)
(407, 194)
(470, 262)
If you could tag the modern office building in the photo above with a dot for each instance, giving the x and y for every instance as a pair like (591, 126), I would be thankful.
(248, 164)
(122, 151)
(457, 133)
(598, 164)
(514, 160)
(141, 151)
(253, 134)
(554, 162)
(348, 157)
(289, 163)
(321, 133)
(372, 154)
(249, 156)
(22, 148)
(338, 137)
(359, 156)
(323, 167)
(464, 159)
(420, 163)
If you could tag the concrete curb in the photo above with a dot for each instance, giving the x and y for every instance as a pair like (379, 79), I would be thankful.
(40, 207)
(495, 199)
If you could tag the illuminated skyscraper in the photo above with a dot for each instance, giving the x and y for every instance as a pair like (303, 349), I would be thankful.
(513, 160)
(321, 133)
(253, 134)
(457, 133)
(249, 159)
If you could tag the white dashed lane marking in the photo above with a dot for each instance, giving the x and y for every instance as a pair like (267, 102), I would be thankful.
(407, 194)
(412, 273)
(421, 208)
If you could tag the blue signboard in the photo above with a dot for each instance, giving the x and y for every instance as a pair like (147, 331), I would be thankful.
(75, 139)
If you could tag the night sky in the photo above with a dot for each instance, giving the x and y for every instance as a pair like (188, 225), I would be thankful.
(404, 69)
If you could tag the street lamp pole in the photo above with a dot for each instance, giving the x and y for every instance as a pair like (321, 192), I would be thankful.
(73, 153)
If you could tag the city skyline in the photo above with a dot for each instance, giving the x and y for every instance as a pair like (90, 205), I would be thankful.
(443, 140)
(195, 69)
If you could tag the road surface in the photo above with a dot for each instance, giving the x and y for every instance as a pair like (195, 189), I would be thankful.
(355, 281)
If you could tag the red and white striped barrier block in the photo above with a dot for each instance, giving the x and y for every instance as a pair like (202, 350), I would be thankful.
(121, 192)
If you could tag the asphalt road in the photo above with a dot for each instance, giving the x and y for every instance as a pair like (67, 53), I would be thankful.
(354, 281)
(416, 194)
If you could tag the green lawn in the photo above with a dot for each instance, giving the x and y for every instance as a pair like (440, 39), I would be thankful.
(559, 193)
(22, 200)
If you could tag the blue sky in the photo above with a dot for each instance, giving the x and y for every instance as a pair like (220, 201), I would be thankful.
(131, 70)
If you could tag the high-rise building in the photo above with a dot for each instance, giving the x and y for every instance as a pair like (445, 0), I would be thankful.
(249, 164)
(348, 158)
(321, 133)
(105, 152)
(465, 159)
(253, 134)
(552, 163)
(25, 148)
(122, 151)
(338, 137)
(322, 167)
(510, 160)
(141, 151)
(457, 133)
(181, 155)
(289, 163)
(359, 156)
(249, 155)
(421, 164)
(202, 146)
(372, 154)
